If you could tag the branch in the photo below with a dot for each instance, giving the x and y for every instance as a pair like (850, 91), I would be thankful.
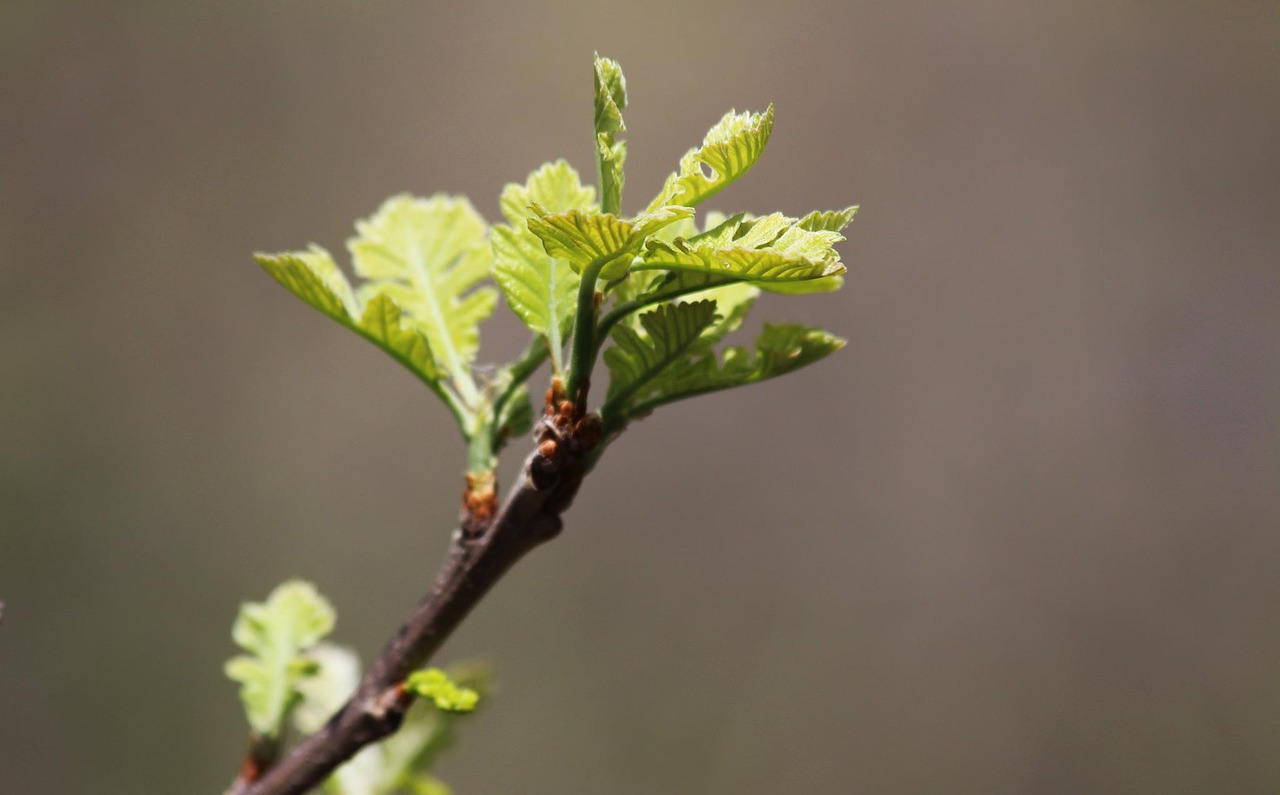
(530, 516)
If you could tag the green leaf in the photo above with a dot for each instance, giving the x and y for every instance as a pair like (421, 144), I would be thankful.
(611, 99)
(277, 633)
(435, 685)
(427, 255)
(828, 220)
(314, 277)
(611, 95)
(637, 358)
(591, 240)
(420, 259)
(540, 289)
(402, 762)
(555, 186)
(781, 348)
(728, 151)
(771, 249)
(826, 284)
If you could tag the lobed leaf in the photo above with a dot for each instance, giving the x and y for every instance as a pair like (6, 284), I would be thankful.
(728, 151)
(780, 349)
(277, 634)
(828, 220)
(539, 288)
(767, 251)
(314, 277)
(638, 358)
(599, 241)
(427, 255)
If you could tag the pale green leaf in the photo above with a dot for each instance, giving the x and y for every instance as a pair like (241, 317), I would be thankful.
(313, 276)
(277, 634)
(599, 241)
(555, 186)
(381, 324)
(728, 151)
(744, 264)
(667, 334)
(829, 220)
(637, 283)
(540, 289)
(427, 255)
(323, 694)
(770, 249)
(435, 685)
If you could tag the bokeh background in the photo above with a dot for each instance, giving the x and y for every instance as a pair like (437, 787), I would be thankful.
(1021, 536)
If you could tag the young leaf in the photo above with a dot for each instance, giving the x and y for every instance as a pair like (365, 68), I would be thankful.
(781, 348)
(599, 241)
(314, 277)
(771, 249)
(540, 289)
(435, 685)
(401, 762)
(828, 220)
(728, 151)
(611, 99)
(426, 254)
(636, 359)
(277, 633)
(555, 186)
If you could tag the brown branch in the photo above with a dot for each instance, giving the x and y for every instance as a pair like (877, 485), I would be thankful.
(530, 516)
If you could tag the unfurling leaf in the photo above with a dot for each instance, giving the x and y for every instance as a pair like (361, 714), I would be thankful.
(637, 358)
(611, 99)
(277, 634)
(728, 151)
(599, 241)
(421, 259)
(435, 685)
(401, 763)
(539, 288)
(828, 220)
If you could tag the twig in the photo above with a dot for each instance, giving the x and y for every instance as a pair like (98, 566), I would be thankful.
(529, 517)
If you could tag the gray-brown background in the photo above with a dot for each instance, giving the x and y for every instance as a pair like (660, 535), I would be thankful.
(1020, 536)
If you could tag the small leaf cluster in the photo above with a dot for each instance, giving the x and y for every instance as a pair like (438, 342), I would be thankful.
(656, 292)
(293, 676)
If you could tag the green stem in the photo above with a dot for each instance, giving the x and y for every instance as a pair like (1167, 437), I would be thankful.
(514, 375)
(583, 356)
(480, 452)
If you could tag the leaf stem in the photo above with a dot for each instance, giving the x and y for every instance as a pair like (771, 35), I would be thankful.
(512, 377)
(583, 356)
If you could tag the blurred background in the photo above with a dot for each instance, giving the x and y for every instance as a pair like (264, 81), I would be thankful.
(1021, 536)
